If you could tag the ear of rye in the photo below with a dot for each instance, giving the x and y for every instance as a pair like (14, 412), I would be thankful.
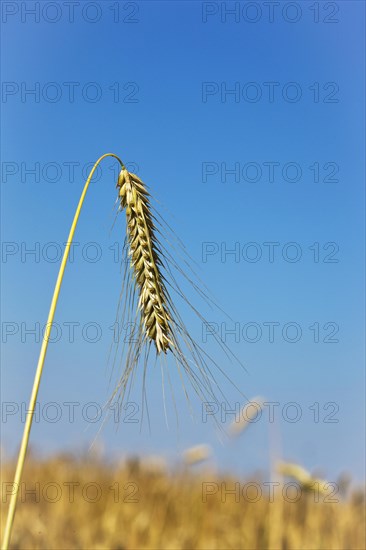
(144, 257)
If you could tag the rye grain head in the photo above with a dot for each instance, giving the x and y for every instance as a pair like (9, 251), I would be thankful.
(305, 479)
(152, 276)
(145, 260)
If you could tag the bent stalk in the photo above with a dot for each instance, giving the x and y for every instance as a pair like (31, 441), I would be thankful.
(41, 360)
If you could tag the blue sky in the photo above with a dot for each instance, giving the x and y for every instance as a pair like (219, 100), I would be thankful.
(152, 84)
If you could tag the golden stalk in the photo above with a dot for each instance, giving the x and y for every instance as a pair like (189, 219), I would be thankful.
(41, 360)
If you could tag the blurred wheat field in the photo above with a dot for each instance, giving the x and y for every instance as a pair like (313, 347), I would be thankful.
(67, 502)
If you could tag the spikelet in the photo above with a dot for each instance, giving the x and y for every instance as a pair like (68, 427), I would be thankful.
(306, 481)
(197, 454)
(248, 414)
(144, 257)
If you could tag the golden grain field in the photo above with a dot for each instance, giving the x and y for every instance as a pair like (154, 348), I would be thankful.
(67, 502)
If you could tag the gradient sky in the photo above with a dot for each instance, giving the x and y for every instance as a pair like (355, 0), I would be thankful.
(149, 82)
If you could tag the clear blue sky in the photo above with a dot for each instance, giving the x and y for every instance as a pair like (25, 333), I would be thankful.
(149, 82)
